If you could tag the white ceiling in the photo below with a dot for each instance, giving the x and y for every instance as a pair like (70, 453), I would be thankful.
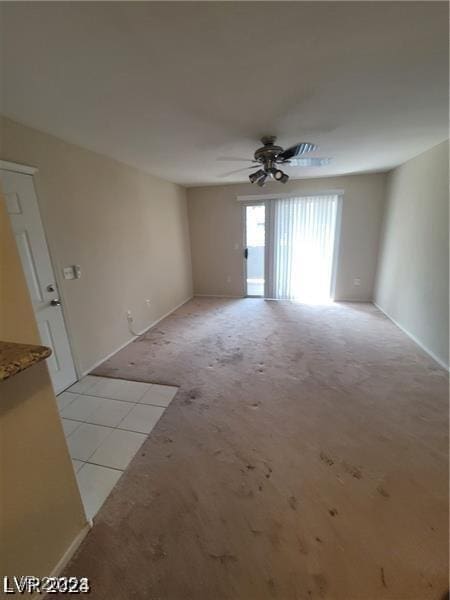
(173, 87)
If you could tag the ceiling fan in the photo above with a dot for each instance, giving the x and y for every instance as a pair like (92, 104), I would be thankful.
(269, 156)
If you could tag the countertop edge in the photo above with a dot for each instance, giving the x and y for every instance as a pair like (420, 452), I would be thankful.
(15, 358)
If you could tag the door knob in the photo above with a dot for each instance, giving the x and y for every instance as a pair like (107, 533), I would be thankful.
(55, 302)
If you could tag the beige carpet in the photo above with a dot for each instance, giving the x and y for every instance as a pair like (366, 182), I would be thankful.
(304, 457)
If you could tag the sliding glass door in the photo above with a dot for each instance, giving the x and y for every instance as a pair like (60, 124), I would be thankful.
(255, 241)
(302, 240)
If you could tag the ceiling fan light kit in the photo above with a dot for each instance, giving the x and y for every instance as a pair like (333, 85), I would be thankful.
(262, 180)
(260, 176)
(257, 175)
(280, 175)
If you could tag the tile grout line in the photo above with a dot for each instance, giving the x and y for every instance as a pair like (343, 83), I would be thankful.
(143, 433)
(121, 400)
(116, 468)
(133, 404)
(85, 422)
(87, 462)
(110, 379)
(117, 428)
(104, 440)
(118, 399)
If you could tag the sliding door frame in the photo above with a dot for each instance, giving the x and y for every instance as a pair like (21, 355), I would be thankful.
(337, 245)
(256, 199)
(268, 255)
(244, 244)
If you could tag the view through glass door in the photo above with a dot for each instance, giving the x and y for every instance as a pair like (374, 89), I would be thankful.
(302, 248)
(255, 219)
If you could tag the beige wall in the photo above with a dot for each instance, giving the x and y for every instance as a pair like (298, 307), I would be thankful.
(216, 225)
(412, 281)
(128, 230)
(40, 506)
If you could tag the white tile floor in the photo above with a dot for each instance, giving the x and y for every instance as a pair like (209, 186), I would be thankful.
(106, 421)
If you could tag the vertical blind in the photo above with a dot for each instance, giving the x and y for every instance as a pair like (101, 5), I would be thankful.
(302, 232)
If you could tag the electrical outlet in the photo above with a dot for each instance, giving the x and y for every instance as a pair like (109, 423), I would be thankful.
(229, 279)
(357, 281)
(129, 316)
(147, 302)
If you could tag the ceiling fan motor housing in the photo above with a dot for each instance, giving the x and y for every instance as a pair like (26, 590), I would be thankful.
(268, 153)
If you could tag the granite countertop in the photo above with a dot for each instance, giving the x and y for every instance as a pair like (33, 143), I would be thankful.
(15, 358)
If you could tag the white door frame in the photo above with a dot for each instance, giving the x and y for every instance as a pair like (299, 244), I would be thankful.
(28, 170)
(17, 168)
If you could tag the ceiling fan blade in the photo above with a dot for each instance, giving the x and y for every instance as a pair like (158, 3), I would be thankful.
(235, 159)
(308, 162)
(300, 148)
(235, 171)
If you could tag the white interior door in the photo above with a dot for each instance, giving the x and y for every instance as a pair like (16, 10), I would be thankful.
(23, 209)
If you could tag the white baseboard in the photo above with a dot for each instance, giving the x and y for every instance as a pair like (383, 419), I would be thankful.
(218, 296)
(369, 301)
(71, 550)
(132, 338)
(73, 547)
(414, 339)
(355, 300)
(102, 360)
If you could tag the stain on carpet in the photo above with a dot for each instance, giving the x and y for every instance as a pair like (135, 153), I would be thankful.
(272, 488)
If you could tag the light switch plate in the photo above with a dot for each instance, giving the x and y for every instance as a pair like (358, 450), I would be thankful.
(69, 273)
(72, 272)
